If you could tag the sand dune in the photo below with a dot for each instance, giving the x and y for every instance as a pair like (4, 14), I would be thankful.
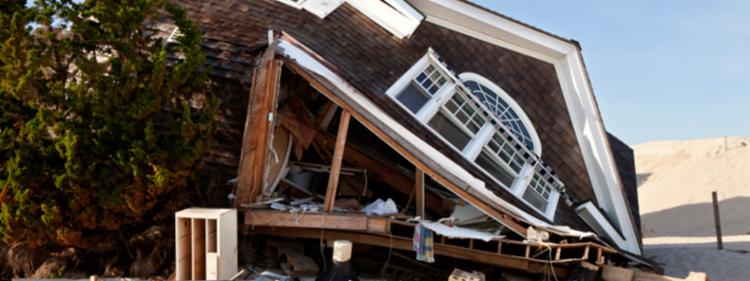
(676, 179)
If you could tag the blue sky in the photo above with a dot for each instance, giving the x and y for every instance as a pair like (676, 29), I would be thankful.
(666, 69)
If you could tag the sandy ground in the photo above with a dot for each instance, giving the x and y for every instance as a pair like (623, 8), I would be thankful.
(679, 256)
(675, 181)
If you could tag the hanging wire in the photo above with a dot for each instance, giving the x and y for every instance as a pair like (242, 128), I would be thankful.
(390, 251)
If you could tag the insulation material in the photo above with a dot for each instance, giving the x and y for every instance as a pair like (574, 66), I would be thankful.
(381, 208)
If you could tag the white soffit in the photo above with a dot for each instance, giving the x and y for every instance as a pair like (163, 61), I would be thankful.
(596, 220)
(484, 25)
(321, 8)
(396, 16)
(487, 26)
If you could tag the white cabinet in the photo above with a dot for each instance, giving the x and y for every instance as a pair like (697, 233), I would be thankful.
(206, 244)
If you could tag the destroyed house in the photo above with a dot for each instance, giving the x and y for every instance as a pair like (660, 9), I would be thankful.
(365, 119)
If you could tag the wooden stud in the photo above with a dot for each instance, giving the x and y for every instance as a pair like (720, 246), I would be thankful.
(326, 115)
(528, 251)
(338, 156)
(599, 256)
(419, 190)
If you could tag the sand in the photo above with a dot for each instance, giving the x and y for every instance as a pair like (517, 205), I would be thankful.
(680, 256)
(675, 181)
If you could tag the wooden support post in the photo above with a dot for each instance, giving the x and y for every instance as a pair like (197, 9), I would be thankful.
(717, 221)
(419, 189)
(586, 253)
(528, 251)
(338, 155)
(258, 131)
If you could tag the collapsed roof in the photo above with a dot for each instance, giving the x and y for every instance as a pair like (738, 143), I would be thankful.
(355, 58)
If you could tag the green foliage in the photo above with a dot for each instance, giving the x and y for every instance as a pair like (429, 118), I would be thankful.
(101, 121)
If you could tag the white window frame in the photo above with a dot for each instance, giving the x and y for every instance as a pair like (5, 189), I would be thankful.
(298, 4)
(470, 76)
(320, 8)
(396, 16)
(478, 141)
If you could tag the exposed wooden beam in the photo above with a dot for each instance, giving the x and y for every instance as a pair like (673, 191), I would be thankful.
(326, 115)
(419, 190)
(327, 221)
(258, 130)
(338, 155)
(392, 175)
(420, 161)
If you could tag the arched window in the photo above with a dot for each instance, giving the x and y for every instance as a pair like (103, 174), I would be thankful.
(504, 108)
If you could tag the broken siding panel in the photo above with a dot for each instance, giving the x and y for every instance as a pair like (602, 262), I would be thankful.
(371, 59)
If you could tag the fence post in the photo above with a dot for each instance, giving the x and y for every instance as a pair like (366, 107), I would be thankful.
(717, 221)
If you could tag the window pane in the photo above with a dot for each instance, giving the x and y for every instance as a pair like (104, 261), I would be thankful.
(449, 130)
(536, 200)
(412, 98)
(494, 169)
(502, 110)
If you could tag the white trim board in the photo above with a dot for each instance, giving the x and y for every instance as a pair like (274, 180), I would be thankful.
(396, 16)
(470, 20)
(596, 220)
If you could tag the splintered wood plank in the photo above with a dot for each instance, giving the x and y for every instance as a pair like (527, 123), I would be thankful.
(414, 156)
(419, 189)
(261, 111)
(338, 155)
(351, 222)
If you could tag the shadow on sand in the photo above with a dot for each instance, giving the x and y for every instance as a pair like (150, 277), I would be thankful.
(695, 220)
(640, 178)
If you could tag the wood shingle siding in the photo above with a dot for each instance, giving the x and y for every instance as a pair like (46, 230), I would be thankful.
(371, 59)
